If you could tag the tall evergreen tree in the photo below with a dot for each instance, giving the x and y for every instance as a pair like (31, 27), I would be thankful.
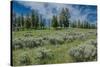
(13, 21)
(41, 22)
(33, 19)
(22, 21)
(64, 17)
(28, 22)
(54, 22)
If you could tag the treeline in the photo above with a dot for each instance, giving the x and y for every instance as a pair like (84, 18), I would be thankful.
(83, 24)
(62, 21)
(35, 20)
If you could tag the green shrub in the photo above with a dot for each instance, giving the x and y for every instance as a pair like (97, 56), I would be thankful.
(43, 55)
(69, 38)
(80, 36)
(28, 35)
(45, 42)
(92, 32)
(24, 59)
(83, 53)
(17, 43)
(29, 43)
(56, 40)
(92, 42)
(24, 42)
(32, 42)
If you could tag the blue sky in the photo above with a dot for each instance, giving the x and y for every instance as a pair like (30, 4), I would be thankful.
(81, 12)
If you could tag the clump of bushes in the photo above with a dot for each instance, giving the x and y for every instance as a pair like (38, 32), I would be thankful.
(17, 43)
(43, 55)
(92, 32)
(24, 59)
(80, 36)
(45, 42)
(69, 38)
(29, 42)
(28, 34)
(56, 40)
(32, 42)
(83, 52)
(92, 42)
(73, 34)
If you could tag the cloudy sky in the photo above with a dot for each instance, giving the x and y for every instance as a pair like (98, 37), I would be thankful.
(82, 12)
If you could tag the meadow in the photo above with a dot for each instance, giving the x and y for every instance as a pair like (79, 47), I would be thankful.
(32, 47)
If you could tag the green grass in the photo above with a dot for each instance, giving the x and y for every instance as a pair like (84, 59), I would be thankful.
(48, 32)
(60, 52)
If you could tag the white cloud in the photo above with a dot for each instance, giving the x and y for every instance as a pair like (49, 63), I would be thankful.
(46, 9)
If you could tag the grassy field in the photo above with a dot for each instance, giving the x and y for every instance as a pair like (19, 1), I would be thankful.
(51, 46)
